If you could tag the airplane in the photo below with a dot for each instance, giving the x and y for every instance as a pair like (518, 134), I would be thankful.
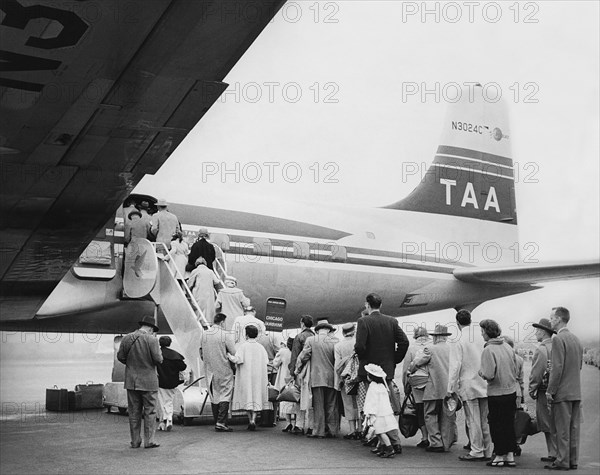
(71, 159)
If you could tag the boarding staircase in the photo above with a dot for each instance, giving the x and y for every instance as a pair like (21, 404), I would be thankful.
(150, 270)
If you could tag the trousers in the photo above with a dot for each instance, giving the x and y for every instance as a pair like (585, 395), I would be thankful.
(501, 418)
(476, 415)
(141, 404)
(441, 428)
(567, 420)
(326, 413)
(220, 412)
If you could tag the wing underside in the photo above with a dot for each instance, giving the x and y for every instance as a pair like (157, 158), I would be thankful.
(529, 274)
(93, 96)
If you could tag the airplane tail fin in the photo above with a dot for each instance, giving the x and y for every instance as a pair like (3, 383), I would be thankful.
(472, 173)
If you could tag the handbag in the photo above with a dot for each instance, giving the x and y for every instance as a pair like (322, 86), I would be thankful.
(350, 375)
(273, 393)
(408, 422)
(290, 393)
(522, 425)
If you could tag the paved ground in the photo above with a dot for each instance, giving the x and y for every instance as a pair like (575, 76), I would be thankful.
(97, 442)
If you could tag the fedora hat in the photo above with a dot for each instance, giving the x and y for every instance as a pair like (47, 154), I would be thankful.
(348, 328)
(544, 325)
(162, 202)
(148, 321)
(323, 323)
(440, 330)
(375, 370)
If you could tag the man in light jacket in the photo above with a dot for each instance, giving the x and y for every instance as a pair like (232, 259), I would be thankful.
(464, 380)
(564, 390)
(140, 353)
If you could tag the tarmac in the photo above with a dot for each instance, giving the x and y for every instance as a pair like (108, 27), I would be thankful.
(33, 441)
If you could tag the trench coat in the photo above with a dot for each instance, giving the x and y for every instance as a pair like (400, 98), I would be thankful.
(216, 343)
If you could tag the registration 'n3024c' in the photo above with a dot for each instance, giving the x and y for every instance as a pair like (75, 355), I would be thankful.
(466, 127)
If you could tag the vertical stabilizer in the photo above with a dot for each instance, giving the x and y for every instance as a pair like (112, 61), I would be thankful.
(472, 172)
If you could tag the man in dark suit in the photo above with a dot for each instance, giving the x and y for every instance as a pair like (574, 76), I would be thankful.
(140, 353)
(380, 341)
(202, 248)
(564, 390)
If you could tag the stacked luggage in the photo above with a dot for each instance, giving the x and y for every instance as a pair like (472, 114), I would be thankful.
(85, 396)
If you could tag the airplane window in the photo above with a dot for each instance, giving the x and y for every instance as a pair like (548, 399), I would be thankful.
(338, 253)
(370, 235)
(262, 246)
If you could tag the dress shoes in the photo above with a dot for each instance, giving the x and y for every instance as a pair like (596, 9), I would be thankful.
(151, 446)
(397, 449)
(434, 449)
(555, 467)
(548, 459)
(288, 428)
(223, 428)
(572, 467)
(423, 444)
(297, 431)
(470, 458)
(467, 447)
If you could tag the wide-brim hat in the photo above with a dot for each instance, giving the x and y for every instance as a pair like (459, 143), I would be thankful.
(149, 321)
(162, 202)
(348, 328)
(440, 330)
(230, 278)
(544, 325)
(135, 212)
(202, 231)
(375, 370)
(323, 323)
(419, 332)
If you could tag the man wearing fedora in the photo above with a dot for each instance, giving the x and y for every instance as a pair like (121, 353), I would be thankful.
(464, 380)
(440, 428)
(564, 390)
(343, 352)
(380, 341)
(140, 353)
(320, 350)
(538, 383)
(164, 224)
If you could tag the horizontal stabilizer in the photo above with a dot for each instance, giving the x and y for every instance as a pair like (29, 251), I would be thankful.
(529, 274)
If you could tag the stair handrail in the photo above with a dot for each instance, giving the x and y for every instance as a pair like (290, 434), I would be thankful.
(176, 272)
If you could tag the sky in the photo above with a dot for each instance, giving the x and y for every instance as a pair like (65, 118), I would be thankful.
(324, 91)
(334, 99)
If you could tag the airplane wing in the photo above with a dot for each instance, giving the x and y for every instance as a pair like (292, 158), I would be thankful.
(528, 274)
(93, 96)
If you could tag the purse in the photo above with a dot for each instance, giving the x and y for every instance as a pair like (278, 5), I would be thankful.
(350, 375)
(395, 401)
(408, 422)
(290, 393)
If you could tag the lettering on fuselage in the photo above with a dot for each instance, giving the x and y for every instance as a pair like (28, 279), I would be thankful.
(17, 16)
(469, 197)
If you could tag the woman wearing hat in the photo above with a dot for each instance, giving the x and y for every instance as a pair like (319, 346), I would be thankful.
(343, 351)
(202, 283)
(538, 383)
(231, 300)
(415, 377)
(180, 252)
(281, 362)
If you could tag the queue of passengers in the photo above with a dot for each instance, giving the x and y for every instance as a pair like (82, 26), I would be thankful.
(317, 368)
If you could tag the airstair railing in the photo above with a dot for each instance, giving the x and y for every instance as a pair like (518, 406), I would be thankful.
(167, 257)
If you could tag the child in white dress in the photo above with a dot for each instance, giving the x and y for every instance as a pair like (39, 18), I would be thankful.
(379, 413)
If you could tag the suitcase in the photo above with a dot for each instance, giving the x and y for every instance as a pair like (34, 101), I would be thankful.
(57, 399)
(91, 395)
(191, 402)
(115, 395)
(74, 398)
